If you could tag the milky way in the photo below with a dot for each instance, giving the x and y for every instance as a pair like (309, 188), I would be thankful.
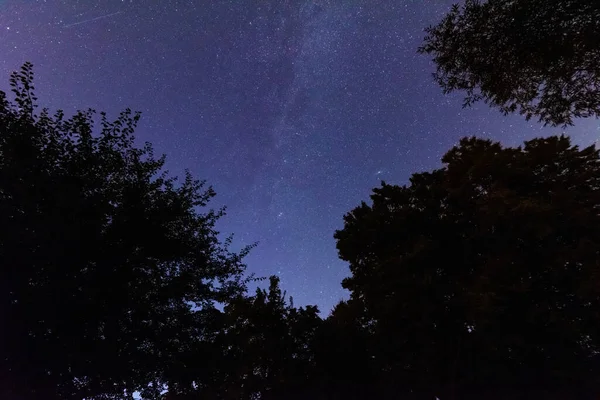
(292, 110)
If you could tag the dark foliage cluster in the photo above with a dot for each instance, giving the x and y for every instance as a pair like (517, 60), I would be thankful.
(477, 280)
(102, 255)
(539, 58)
(483, 275)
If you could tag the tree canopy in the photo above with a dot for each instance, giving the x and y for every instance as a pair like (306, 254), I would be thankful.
(483, 275)
(480, 279)
(108, 266)
(263, 349)
(539, 58)
(269, 345)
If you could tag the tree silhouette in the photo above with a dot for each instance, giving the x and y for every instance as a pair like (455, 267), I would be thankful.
(536, 57)
(102, 255)
(482, 277)
(270, 345)
(344, 362)
(263, 351)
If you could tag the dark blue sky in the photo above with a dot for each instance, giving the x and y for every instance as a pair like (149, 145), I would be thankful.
(292, 110)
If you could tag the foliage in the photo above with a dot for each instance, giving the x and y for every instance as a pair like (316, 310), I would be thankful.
(344, 363)
(484, 274)
(102, 255)
(263, 351)
(536, 57)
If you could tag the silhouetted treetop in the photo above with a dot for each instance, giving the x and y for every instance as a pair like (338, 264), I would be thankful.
(102, 254)
(483, 274)
(263, 350)
(536, 57)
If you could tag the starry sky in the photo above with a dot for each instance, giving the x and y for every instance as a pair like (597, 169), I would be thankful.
(292, 110)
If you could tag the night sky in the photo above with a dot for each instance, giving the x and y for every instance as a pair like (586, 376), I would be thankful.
(292, 110)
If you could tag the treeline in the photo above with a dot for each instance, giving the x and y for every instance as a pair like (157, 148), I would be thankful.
(480, 279)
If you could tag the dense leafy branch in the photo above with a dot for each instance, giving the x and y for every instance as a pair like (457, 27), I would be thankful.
(539, 58)
(483, 275)
(102, 254)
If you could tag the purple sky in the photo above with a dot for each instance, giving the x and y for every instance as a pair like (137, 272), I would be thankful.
(292, 110)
